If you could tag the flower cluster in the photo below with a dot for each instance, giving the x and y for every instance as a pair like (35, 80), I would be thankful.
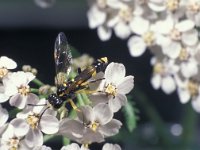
(36, 117)
(168, 28)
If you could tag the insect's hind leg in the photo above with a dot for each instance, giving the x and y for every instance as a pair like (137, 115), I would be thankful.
(74, 106)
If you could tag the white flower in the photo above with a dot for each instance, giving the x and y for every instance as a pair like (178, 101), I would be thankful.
(43, 147)
(114, 88)
(33, 121)
(16, 86)
(5, 64)
(3, 96)
(109, 146)
(45, 3)
(93, 125)
(162, 75)
(10, 140)
(74, 146)
(4, 116)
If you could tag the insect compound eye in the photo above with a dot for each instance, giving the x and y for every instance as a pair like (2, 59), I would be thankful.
(55, 101)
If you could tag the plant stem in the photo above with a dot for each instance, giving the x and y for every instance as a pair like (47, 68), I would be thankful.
(189, 122)
(33, 90)
(153, 115)
(85, 98)
(38, 82)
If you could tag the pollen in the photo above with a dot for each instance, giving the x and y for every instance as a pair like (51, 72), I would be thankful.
(149, 38)
(94, 126)
(125, 13)
(3, 72)
(33, 120)
(24, 90)
(194, 7)
(111, 89)
(183, 54)
(13, 143)
(193, 88)
(175, 34)
(158, 68)
(172, 5)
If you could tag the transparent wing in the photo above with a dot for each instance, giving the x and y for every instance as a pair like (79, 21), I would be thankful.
(63, 58)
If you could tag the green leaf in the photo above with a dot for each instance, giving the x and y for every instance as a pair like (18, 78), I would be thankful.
(130, 116)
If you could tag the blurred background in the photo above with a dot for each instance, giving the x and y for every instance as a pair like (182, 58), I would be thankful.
(27, 35)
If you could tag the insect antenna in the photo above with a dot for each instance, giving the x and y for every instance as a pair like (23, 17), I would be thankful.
(43, 113)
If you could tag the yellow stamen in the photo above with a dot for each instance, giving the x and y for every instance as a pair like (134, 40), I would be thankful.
(33, 120)
(125, 13)
(193, 88)
(183, 54)
(13, 143)
(24, 90)
(149, 38)
(3, 72)
(175, 34)
(110, 89)
(158, 68)
(172, 5)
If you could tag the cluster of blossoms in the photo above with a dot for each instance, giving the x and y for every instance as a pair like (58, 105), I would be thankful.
(36, 118)
(168, 28)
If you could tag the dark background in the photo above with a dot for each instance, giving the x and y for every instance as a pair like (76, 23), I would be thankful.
(27, 35)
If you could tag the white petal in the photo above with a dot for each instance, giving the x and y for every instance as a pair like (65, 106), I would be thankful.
(157, 8)
(136, 46)
(139, 25)
(4, 116)
(110, 128)
(116, 103)
(34, 138)
(172, 50)
(98, 98)
(196, 104)
(3, 97)
(184, 95)
(86, 114)
(45, 3)
(126, 85)
(122, 30)
(18, 101)
(49, 124)
(102, 113)
(115, 73)
(189, 69)
(72, 146)
(21, 128)
(109, 146)
(190, 38)
(95, 17)
(168, 85)
(104, 33)
(185, 25)
(156, 81)
(7, 63)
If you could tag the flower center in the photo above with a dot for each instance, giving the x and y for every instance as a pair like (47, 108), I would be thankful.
(93, 126)
(194, 7)
(102, 3)
(125, 13)
(111, 89)
(14, 143)
(3, 72)
(172, 5)
(33, 120)
(175, 34)
(183, 56)
(149, 38)
(24, 90)
(158, 68)
(193, 88)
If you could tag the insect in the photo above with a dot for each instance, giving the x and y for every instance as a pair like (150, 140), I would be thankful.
(67, 89)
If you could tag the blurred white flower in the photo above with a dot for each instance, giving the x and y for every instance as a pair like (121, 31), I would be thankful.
(5, 64)
(109, 146)
(16, 86)
(74, 146)
(93, 125)
(45, 3)
(163, 75)
(3, 96)
(114, 88)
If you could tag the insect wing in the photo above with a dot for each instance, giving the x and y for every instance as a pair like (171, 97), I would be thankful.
(63, 58)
